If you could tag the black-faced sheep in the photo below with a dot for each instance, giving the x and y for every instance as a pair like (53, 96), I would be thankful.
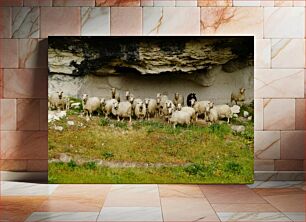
(239, 96)
(190, 97)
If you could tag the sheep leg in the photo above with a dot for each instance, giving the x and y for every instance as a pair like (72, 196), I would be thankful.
(118, 118)
(130, 117)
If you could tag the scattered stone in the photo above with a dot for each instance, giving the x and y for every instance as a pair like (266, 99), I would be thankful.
(63, 157)
(235, 115)
(238, 128)
(56, 115)
(70, 123)
(235, 109)
(59, 128)
(245, 114)
(250, 118)
(75, 105)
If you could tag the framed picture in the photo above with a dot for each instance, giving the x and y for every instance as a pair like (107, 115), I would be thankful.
(138, 109)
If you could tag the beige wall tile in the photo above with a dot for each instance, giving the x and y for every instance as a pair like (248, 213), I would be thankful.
(280, 3)
(8, 114)
(162, 3)
(33, 53)
(300, 114)
(267, 145)
(266, 3)
(126, 21)
(237, 3)
(220, 3)
(284, 49)
(73, 2)
(263, 165)
(292, 144)
(284, 22)
(279, 83)
(8, 53)
(258, 116)
(37, 2)
(289, 165)
(52, 21)
(5, 22)
(146, 2)
(186, 3)
(28, 111)
(263, 53)
(159, 21)
(25, 22)
(95, 21)
(232, 20)
(279, 114)
(13, 165)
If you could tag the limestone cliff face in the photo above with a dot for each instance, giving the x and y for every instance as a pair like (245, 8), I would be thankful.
(103, 56)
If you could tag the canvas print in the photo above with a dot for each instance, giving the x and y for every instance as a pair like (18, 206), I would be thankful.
(140, 109)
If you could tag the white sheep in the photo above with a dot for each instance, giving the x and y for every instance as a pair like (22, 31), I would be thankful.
(140, 110)
(91, 104)
(122, 110)
(201, 108)
(224, 111)
(189, 110)
(151, 106)
(107, 106)
(115, 94)
(57, 101)
(180, 117)
(161, 99)
(128, 95)
(167, 105)
(238, 97)
(213, 115)
(178, 99)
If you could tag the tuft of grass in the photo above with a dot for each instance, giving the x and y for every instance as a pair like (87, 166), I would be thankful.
(121, 124)
(233, 166)
(104, 122)
(91, 165)
(108, 155)
(72, 164)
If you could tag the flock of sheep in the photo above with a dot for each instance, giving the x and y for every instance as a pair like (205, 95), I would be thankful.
(173, 111)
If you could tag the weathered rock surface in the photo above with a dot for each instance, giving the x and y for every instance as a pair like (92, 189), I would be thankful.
(148, 55)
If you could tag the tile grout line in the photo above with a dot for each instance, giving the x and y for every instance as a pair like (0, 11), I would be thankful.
(160, 203)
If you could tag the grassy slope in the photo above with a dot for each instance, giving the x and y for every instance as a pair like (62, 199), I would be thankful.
(218, 156)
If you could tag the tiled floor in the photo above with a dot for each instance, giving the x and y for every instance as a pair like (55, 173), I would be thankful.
(262, 201)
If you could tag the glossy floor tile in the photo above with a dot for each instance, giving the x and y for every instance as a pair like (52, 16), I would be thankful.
(130, 214)
(26, 189)
(253, 216)
(272, 201)
(63, 216)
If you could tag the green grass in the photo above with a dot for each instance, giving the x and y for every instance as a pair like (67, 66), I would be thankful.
(212, 154)
(61, 173)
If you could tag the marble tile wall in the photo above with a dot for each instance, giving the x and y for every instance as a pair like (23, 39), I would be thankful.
(280, 83)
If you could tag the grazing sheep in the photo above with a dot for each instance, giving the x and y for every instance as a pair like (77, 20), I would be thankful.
(180, 117)
(92, 104)
(151, 106)
(108, 106)
(224, 111)
(128, 95)
(140, 110)
(190, 97)
(201, 108)
(122, 110)
(178, 99)
(238, 97)
(57, 101)
(189, 110)
(213, 115)
(161, 99)
(115, 94)
(168, 104)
